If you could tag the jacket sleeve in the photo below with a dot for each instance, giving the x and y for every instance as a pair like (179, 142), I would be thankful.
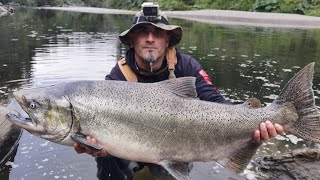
(205, 88)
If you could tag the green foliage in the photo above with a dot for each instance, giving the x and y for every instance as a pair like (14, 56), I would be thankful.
(308, 7)
(301, 8)
(189, 2)
(70, 2)
(173, 5)
(25, 2)
(284, 6)
(205, 4)
(123, 4)
(266, 5)
(314, 11)
(243, 5)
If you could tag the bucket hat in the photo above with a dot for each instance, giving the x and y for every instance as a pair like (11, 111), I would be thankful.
(161, 21)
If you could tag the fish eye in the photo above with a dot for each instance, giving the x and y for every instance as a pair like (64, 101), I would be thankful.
(33, 105)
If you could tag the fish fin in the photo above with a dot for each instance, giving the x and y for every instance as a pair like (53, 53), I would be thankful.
(179, 171)
(298, 91)
(184, 86)
(252, 103)
(82, 141)
(240, 158)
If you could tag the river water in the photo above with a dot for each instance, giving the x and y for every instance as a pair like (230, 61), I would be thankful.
(44, 47)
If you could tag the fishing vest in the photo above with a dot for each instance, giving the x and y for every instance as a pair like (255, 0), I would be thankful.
(131, 76)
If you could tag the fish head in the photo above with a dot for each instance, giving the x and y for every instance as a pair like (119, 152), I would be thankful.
(50, 114)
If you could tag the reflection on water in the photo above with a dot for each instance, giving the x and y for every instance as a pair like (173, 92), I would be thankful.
(74, 56)
(41, 159)
(42, 47)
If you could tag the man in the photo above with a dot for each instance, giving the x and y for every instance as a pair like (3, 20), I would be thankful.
(151, 40)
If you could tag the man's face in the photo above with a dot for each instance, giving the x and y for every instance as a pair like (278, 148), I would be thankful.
(149, 43)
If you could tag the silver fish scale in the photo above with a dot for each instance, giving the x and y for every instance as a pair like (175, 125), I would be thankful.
(164, 123)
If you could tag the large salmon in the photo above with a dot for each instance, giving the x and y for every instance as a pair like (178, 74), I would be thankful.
(164, 122)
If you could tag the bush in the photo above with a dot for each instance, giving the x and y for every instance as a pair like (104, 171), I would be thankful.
(313, 11)
(173, 5)
(266, 5)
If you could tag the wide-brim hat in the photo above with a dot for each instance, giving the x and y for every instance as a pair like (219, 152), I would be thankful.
(161, 22)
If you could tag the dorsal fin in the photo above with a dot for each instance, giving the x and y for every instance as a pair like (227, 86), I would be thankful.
(184, 86)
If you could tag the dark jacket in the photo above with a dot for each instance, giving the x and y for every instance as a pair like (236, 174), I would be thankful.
(186, 66)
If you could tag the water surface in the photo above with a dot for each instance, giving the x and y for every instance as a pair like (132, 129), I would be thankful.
(44, 47)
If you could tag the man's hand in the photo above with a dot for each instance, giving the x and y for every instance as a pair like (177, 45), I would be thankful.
(267, 131)
(79, 149)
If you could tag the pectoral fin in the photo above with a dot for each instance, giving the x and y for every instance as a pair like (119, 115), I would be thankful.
(177, 170)
(81, 139)
(239, 159)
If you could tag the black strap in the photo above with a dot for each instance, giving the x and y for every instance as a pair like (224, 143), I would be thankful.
(159, 19)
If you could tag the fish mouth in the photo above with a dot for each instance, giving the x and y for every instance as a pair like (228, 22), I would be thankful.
(23, 122)
(22, 102)
(17, 109)
(18, 118)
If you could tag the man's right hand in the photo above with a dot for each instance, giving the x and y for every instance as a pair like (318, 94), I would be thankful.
(79, 149)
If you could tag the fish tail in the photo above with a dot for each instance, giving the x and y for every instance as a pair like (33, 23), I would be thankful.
(298, 91)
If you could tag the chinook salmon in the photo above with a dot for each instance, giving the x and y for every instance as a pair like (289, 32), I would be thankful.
(164, 123)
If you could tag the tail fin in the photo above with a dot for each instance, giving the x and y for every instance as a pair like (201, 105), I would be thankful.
(299, 91)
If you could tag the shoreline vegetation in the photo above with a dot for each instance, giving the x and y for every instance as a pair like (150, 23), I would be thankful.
(211, 16)
(220, 17)
(304, 7)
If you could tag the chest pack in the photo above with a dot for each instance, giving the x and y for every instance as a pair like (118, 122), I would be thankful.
(132, 77)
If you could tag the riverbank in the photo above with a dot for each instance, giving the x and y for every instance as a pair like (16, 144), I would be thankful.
(221, 17)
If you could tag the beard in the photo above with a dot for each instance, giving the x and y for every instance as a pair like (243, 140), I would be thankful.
(150, 59)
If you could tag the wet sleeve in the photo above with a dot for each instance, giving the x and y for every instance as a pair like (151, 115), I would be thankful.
(205, 88)
(115, 74)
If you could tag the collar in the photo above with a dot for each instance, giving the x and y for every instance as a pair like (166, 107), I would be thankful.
(132, 63)
(163, 68)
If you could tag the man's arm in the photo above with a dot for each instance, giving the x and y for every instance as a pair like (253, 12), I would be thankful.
(188, 66)
(208, 92)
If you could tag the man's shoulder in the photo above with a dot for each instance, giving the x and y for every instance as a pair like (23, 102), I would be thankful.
(115, 74)
(185, 59)
(184, 56)
(186, 65)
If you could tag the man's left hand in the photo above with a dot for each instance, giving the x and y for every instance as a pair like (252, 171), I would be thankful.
(267, 131)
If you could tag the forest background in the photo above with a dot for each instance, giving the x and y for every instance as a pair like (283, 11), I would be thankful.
(306, 7)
